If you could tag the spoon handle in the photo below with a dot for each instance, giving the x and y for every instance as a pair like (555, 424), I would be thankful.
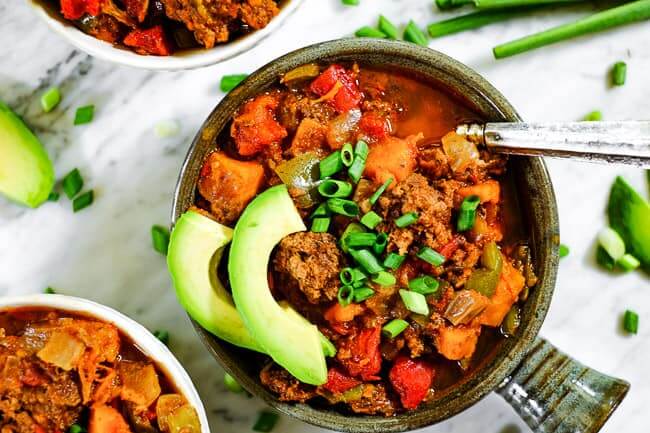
(624, 142)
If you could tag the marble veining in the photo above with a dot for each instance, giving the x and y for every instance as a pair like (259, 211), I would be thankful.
(104, 252)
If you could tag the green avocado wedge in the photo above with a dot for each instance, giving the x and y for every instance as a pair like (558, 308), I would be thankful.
(195, 249)
(629, 215)
(26, 172)
(291, 341)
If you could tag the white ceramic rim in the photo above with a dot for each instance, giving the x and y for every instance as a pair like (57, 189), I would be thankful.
(145, 340)
(195, 59)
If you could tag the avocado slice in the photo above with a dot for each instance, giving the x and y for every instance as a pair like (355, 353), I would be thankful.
(195, 249)
(291, 341)
(629, 215)
(26, 172)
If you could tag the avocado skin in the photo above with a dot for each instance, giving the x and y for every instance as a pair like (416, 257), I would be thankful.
(195, 249)
(26, 172)
(292, 342)
(629, 215)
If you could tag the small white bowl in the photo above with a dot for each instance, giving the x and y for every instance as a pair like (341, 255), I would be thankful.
(146, 342)
(183, 60)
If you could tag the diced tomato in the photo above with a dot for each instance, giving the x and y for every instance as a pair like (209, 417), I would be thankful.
(365, 361)
(347, 98)
(39, 429)
(255, 127)
(449, 248)
(340, 317)
(337, 381)
(411, 379)
(150, 41)
(75, 9)
(374, 125)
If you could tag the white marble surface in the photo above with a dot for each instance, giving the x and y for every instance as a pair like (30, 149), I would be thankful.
(104, 252)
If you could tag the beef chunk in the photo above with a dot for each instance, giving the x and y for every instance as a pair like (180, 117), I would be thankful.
(312, 262)
(288, 388)
(374, 400)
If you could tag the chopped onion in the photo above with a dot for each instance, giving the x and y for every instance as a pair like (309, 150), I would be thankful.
(339, 130)
(461, 152)
(465, 305)
(63, 350)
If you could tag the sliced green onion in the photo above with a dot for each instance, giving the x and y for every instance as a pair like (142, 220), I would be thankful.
(387, 27)
(628, 262)
(320, 224)
(380, 243)
(612, 242)
(563, 251)
(619, 73)
(347, 154)
(430, 256)
(371, 220)
(395, 327)
(321, 211)
(266, 421)
(384, 278)
(160, 239)
(467, 213)
(351, 228)
(594, 116)
(366, 260)
(49, 291)
(362, 293)
(426, 285)
(229, 82)
(412, 33)
(616, 16)
(53, 196)
(394, 261)
(350, 276)
(375, 196)
(360, 240)
(407, 219)
(343, 207)
(84, 114)
(356, 169)
(331, 165)
(369, 32)
(604, 260)
(50, 99)
(231, 384)
(335, 188)
(76, 428)
(83, 201)
(72, 183)
(162, 335)
(415, 302)
(361, 149)
(358, 276)
(631, 322)
(350, 2)
(329, 349)
(344, 295)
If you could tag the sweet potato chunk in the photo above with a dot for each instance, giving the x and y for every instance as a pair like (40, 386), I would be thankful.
(229, 184)
(488, 191)
(255, 127)
(105, 419)
(457, 342)
(392, 157)
(140, 384)
(510, 284)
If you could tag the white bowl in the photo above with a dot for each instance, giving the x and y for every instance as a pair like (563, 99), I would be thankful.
(182, 60)
(146, 342)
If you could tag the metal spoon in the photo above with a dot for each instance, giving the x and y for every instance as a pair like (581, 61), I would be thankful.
(623, 142)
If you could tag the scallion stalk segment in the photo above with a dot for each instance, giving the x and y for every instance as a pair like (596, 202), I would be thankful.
(415, 302)
(395, 327)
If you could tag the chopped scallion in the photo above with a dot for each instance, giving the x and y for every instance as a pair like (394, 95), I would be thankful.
(406, 220)
(394, 261)
(380, 243)
(371, 220)
(49, 291)
(375, 196)
(362, 293)
(366, 260)
(50, 99)
(320, 224)
(331, 165)
(160, 239)
(231, 384)
(335, 188)
(83, 201)
(229, 82)
(346, 276)
(563, 250)
(321, 211)
(350, 2)
(467, 213)
(612, 242)
(162, 335)
(53, 196)
(594, 116)
(266, 421)
(395, 327)
(425, 285)
(356, 169)
(72, 183)
(387, 27)
(360, 240)
(628, 262)
(415, 302)
(412, 33)
(631, 322)
(344, 295)
(619, 73)
(604, 260)
(431, 256)
(84, 114)
(369, 32)
(384, 278)
(351, 228)
(343, 207)
(347, 154)
(76, 428)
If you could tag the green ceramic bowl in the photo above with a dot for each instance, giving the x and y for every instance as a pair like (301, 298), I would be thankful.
(544, 385)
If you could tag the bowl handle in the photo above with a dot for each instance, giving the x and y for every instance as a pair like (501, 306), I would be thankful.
(554, 393)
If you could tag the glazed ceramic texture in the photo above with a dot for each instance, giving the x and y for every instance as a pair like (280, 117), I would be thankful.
(534, 192)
